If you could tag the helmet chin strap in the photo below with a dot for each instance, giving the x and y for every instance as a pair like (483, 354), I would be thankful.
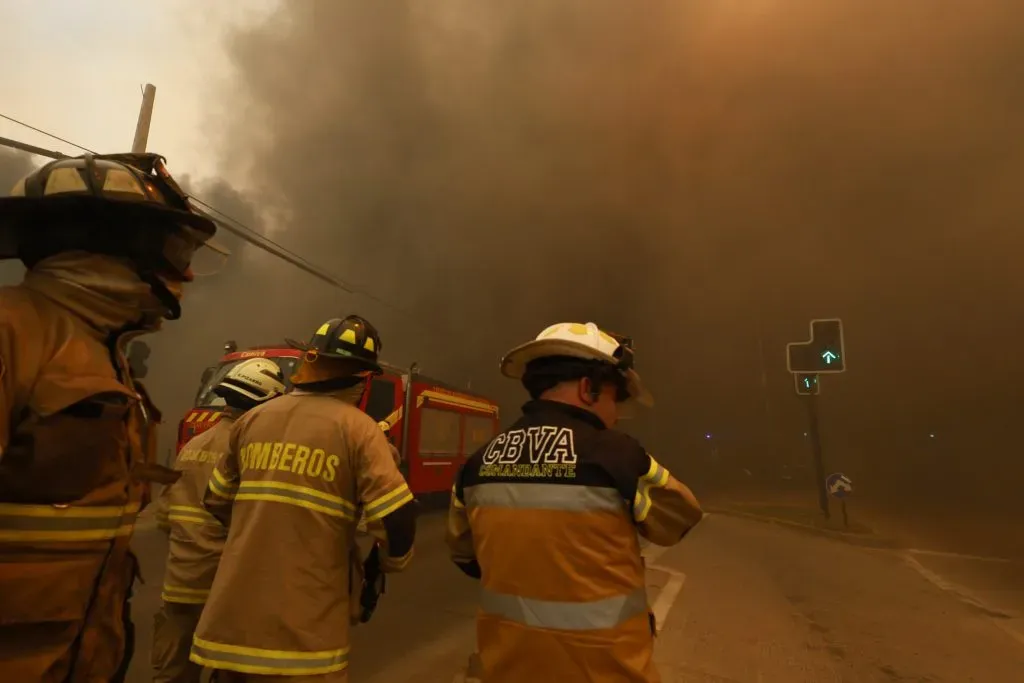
(170, 302)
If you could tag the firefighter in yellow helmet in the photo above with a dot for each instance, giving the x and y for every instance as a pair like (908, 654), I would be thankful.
(298, 473)
(108, 241)
(558, 480)
(196, 537)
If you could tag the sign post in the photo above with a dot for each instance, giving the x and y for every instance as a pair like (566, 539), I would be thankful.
(840, 486)
(823, 354)
(819, 464)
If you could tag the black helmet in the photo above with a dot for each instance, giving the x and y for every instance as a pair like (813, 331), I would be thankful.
(352, 338)
(129, 189)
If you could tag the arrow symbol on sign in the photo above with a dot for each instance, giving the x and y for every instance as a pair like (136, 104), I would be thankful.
(829, 357)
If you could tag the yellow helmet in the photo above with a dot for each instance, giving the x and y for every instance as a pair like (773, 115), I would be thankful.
(585, 341)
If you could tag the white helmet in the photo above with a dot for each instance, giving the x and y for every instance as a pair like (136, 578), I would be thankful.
(578, 340)
(257, 379)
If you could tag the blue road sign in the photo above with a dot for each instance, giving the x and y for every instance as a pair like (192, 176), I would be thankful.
(839, 485)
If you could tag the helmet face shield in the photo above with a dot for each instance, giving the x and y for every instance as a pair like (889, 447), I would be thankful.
(187, 248)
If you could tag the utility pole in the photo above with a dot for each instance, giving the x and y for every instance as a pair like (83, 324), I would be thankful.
(145, 118)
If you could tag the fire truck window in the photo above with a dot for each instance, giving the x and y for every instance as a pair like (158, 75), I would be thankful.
(381, 400)
(439, 433)
(479, 432)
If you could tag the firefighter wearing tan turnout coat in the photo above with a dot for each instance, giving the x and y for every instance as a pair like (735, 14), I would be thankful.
(196, 537)
(298, 473)
(108, 242)
(547, 515)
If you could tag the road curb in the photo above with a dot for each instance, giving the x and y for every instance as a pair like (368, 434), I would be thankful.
(867, 540)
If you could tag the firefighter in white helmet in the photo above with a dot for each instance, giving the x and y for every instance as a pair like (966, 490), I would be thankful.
(109, 243)
(558, 480)
(196, 537)
(298, 473)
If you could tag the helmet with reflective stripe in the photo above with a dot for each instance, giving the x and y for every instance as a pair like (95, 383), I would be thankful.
(134, 190)
(352, 338)
(257, 379)
(584, 341)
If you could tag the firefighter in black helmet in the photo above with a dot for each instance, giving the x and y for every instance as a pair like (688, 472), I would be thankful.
(304, 499)
(108, 241)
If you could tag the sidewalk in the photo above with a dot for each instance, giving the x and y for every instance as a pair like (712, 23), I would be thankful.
(932, 528)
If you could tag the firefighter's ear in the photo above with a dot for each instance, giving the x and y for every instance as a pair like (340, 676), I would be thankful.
(588, 394)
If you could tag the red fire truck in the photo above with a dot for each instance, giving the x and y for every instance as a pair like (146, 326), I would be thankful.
(446, 425)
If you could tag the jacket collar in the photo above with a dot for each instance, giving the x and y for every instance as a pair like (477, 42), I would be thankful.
(543, 406)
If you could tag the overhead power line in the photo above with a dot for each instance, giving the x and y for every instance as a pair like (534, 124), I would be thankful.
(49, 135)
(232, 225)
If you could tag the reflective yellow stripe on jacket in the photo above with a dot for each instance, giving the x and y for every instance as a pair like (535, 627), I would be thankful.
(190, 514)
(185, 596)
(254, 660)
(220, 486)
(300, 496)
(48, 523)
(657, 476)
(388, 503)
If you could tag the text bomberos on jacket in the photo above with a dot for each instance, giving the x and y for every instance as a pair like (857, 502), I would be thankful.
(289, 457)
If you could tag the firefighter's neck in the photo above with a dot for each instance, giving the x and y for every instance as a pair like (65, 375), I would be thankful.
(353, 394)
(105, 292)
(577, 393)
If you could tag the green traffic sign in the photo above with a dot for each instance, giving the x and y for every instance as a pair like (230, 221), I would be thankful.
(807, 384)
(823, 353)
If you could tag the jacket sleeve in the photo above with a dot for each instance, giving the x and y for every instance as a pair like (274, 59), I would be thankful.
(161, 508)
(459, 534)
(663, 508)
(224, 480)
(387, 503)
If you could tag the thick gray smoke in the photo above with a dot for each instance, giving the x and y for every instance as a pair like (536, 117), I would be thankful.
(13, 166)
(705, 176)
(696, 174)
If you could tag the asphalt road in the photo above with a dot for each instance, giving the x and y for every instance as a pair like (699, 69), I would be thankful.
(739, 602)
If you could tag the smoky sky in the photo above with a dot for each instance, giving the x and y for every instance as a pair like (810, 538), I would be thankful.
(703, 176)
(699, 175)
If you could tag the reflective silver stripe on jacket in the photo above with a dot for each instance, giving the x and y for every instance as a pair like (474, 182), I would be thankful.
(70, 523)
(565, 616)
(544, 497)
(267, 662)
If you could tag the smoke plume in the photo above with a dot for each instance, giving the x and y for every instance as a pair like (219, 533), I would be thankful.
(704, 176)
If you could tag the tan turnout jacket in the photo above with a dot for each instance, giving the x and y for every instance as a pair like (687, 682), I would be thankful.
(196, 537)
(76, 459)
(298, 472)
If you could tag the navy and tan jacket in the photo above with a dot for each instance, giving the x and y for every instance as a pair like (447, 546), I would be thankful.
(547, 515)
